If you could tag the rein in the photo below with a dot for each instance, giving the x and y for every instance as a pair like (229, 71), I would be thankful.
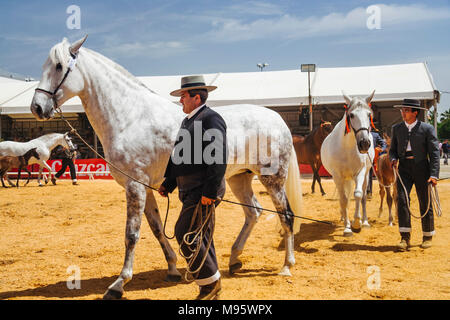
(433, 196)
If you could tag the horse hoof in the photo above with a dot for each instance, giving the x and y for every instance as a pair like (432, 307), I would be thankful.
(235, 267)
(348, 233)
(285, 272)
(323, 194)
(173, 278)
(112, 295)
(356, 230)
(366, 225)
(41, 185)
(54, 181)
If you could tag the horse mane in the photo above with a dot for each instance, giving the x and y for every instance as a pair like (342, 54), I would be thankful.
(60, 54)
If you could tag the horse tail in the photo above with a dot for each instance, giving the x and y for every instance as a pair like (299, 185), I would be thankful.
(294, 189)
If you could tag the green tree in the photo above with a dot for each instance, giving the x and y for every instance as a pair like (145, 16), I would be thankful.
(444, 125)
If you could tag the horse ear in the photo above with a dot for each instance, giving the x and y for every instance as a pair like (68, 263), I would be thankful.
(347, 98)
(77, 45)
(369, 98)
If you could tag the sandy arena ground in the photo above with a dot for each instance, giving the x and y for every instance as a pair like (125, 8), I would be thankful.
(46, 230)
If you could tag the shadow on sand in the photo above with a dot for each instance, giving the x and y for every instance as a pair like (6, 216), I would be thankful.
(141, 281)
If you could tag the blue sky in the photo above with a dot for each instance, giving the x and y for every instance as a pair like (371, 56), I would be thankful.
(169, 37)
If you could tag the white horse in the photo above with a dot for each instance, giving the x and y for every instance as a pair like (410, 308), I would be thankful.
(137, 129)
(44, 146)
(347, 153)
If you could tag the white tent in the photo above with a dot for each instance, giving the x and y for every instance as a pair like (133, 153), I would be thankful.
(391, 82)
(268, 88)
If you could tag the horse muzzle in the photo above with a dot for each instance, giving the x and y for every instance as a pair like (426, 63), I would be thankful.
(42, 113)
(363, 145)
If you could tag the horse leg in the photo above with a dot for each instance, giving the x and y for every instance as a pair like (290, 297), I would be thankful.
(389, 202)
(44, 164)
(154, 220)
(241, 186)
(18, 177)
(382, 193)
(316, 172)
(41, 168)
(365, 220)
(275, 187)
(29, 176)
(358, 194)
(343, 189)
(2, 174)
(313, 186)
(135, 194)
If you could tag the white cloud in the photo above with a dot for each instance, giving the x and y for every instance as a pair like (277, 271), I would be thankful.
(288, 26)
(147, 49)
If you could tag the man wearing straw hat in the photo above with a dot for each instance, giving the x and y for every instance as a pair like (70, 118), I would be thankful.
(415, 149)
(200, 181)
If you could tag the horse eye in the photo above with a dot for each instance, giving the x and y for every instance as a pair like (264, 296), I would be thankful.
(58, 67)
(351, 115)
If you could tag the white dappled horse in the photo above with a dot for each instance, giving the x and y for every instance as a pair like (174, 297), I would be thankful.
(347, 153)
(44, 146)
(137, 129)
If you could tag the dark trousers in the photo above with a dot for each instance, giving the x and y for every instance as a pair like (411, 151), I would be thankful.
(190, 198)
(67, 162)
(417, 175)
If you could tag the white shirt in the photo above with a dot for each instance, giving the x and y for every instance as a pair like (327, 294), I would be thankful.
(193, 112)
(410, 127)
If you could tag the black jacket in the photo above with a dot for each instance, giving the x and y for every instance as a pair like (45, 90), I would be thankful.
(424, 145)
(195, 152)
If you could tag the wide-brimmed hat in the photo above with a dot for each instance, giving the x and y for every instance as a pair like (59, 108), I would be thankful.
(411, 103)
(191, 83)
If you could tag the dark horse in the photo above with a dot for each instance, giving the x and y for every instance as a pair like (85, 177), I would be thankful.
(308, 149)
(20, 162)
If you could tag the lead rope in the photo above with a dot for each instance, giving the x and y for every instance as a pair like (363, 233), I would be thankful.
(73, 130)
(197, 236)
(433, 196)
(433, 199)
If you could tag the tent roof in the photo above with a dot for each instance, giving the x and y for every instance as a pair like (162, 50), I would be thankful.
(268, 88)
(391, 82)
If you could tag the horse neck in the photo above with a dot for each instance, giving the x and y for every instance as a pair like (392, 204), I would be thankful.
(53, 140)
(112, 98)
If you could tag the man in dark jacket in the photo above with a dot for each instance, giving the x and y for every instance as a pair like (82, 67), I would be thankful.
(415, 149)
(199, 176)
(67, 157)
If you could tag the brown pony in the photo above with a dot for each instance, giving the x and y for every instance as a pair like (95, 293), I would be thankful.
(386, 179)
(20, 162)
(308, 149)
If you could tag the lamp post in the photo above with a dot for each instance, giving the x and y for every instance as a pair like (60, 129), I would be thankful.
(261, 66)
(309, 68)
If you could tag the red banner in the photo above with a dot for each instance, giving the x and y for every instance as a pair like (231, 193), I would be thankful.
(86, 169)
(99, 169)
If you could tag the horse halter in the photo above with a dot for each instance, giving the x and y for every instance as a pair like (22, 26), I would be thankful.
(71, 66)
(348, 123)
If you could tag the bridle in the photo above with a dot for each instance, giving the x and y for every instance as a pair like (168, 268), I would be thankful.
(71, 66)
(348, 123)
